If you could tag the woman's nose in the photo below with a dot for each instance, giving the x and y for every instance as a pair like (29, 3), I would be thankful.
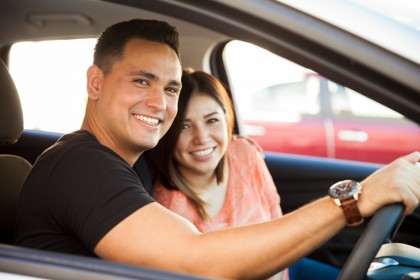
(200, 134)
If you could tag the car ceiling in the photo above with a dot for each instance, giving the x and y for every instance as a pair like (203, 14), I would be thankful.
(393, 82)
(49, 19)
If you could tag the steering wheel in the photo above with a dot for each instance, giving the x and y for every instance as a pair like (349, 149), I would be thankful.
(383, 224)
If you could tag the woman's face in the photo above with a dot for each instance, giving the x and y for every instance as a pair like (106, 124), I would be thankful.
(204, 137)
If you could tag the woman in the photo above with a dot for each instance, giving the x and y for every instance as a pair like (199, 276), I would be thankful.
(208, 175)
(213, 178)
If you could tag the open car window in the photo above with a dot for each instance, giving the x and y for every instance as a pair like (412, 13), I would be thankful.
(288, 108)
(51, 79)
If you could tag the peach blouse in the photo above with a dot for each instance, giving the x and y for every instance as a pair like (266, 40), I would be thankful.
(251, 194)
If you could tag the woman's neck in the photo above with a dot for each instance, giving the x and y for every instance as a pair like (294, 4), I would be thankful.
(210, 191)
(201, 182)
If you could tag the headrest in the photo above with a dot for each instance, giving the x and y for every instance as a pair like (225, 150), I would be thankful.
(11, 115)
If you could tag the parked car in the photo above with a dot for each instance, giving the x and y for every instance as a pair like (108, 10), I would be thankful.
(322, 36)
(318, 117)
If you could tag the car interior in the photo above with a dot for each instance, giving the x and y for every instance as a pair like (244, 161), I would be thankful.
(205, 29)
(13, 169)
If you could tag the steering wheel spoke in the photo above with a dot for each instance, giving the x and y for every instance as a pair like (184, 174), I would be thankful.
(381, 227)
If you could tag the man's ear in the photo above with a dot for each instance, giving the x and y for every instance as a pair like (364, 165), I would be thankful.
(94, 79)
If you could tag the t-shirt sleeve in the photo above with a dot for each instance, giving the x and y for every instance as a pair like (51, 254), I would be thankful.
(97, 190)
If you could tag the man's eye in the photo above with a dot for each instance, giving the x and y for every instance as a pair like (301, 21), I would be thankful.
(173, 91)
(141, 81)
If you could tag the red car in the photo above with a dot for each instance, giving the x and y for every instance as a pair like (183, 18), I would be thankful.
(343, 124)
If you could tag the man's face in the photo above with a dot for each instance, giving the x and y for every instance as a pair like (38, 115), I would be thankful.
(137, 101)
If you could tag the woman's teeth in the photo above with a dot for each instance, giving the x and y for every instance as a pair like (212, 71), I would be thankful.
(203, 152)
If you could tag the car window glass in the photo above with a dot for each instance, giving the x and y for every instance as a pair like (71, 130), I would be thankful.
(347, 102)
(51, 80)
(288, 108)
(291, 100)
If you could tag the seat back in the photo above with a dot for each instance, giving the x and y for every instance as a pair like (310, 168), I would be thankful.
(13, 169)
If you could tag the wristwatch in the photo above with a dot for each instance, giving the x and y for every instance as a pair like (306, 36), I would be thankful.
(346, 194)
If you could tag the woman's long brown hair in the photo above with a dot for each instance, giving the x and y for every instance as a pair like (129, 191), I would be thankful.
(160, 159)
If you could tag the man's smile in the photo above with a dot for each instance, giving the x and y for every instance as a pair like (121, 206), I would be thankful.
(146, 119)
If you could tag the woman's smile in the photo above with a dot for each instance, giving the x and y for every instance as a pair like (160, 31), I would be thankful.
(203, 153)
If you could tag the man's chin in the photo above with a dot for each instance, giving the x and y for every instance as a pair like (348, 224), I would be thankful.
(147, 145)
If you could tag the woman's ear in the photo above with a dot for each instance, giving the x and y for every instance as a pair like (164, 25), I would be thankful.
(228, 118)
(230, 124)
(94, 79)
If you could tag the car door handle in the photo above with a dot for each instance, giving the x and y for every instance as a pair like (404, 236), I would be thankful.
(353, 136)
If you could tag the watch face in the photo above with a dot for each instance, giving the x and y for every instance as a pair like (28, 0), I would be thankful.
(343, 189)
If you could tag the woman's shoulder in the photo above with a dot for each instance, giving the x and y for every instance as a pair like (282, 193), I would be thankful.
(167, 196)
(244, 151)
(242, 143)
(175, 201)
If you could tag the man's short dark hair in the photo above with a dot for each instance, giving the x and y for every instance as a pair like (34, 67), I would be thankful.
(111, 43)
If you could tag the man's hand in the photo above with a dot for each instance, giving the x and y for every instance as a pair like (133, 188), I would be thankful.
(398, 181)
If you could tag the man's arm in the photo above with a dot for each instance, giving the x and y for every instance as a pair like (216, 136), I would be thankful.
(154, 236)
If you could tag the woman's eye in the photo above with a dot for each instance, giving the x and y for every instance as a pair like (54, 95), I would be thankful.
(212, 120)
(185, 126)
(172, 91)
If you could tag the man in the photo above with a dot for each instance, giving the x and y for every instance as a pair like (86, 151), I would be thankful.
(83, 197)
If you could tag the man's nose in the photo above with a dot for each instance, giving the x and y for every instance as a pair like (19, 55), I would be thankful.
(156, 100)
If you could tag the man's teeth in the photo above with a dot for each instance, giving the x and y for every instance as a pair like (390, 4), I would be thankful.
(147, 119)
(203, 152)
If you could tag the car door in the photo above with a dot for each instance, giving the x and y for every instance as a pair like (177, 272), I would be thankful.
(365, 130)
(302, 178)
(298, 127)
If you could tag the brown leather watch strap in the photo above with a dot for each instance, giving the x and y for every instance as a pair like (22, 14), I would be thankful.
(351, 212)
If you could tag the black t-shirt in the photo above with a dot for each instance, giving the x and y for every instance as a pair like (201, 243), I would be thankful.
(76, 192)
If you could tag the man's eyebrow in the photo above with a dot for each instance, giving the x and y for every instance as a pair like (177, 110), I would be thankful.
(175, 83)
(144, 74)
(154, 77)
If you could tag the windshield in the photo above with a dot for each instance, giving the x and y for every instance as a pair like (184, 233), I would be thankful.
(393, 24)
(405, 11)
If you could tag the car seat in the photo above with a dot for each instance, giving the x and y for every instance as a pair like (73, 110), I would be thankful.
(13, 169)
